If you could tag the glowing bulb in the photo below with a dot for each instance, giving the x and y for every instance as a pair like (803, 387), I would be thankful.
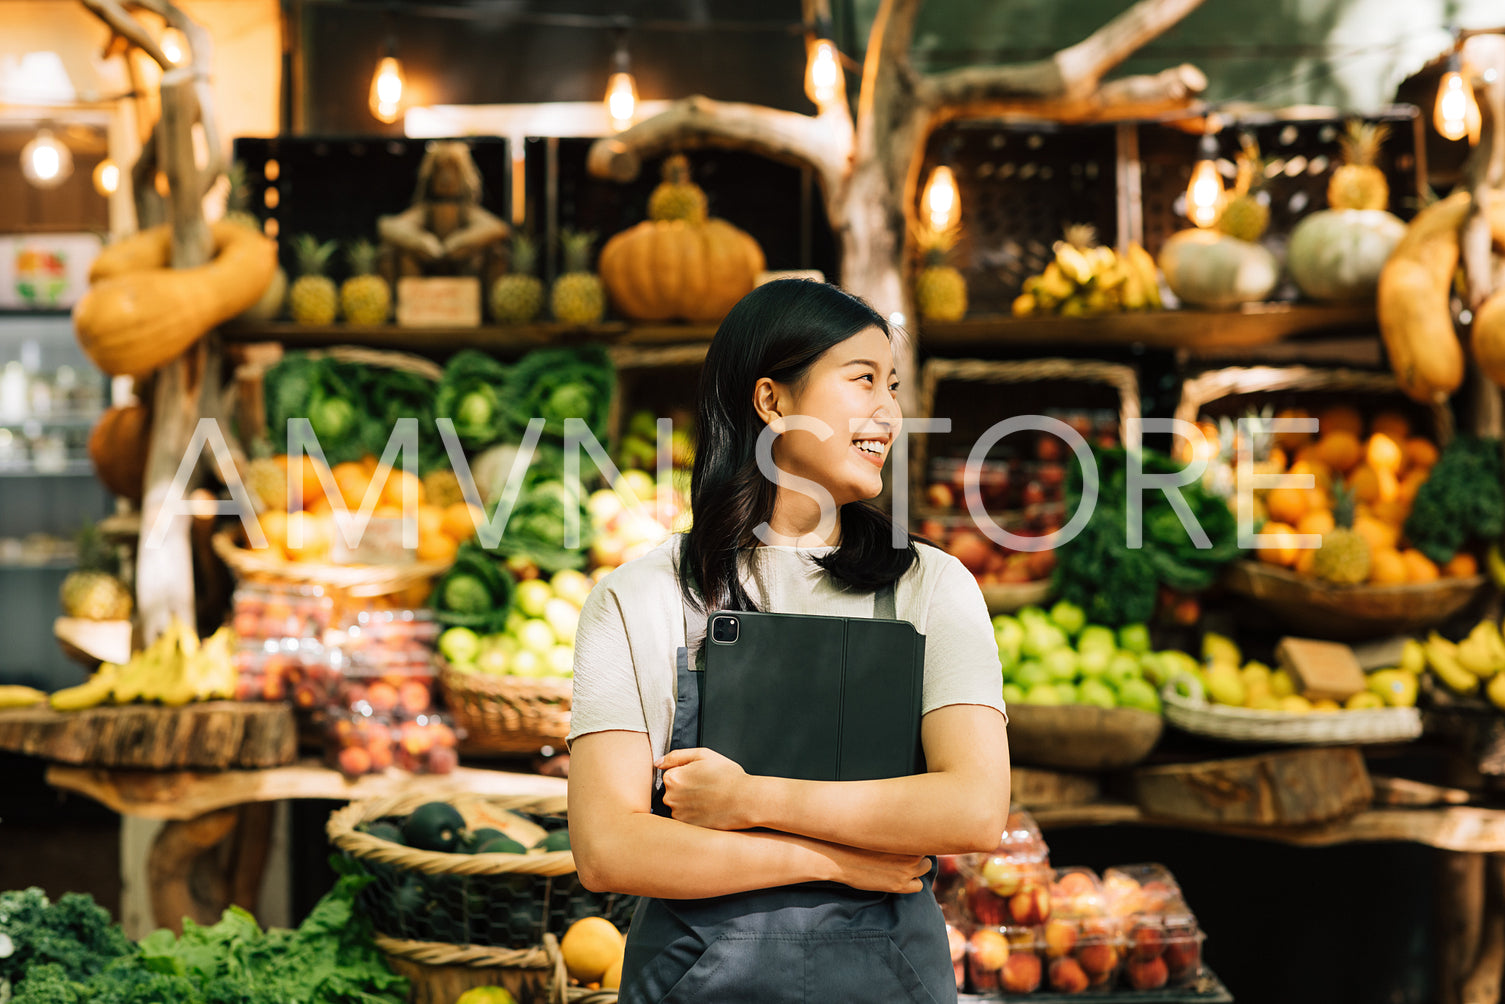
(823, 83)
(174, 46)
(46, 162)
(106, 177)
(1456, 113)
(942, 205)
(387, 87)
(1205, 194)
(621, 100)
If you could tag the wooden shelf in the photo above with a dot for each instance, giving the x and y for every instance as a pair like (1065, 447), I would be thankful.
(1254, 324)
(503, 340)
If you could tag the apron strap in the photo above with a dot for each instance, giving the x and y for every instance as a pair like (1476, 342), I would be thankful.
(884, 608)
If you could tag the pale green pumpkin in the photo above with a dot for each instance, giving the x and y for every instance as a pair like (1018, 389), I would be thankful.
(1337, 254)
(1205, 268)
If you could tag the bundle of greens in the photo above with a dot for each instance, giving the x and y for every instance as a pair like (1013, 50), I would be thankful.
(329, 959)
(1115, 584)
(75, 935)
(470, 395)
(475, 593)
(557, 384)
(388, 395)
(535, 528)
(352, 407)
(1462, 500)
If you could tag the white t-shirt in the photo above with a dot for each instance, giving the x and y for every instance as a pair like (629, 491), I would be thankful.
(633, 624)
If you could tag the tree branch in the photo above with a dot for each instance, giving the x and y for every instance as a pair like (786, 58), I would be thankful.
(123, 24)
(971, 93)
(822, 142)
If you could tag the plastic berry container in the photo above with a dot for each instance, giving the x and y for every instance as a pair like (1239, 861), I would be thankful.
(1011, 884)
(263, 611)
(356, 744)
(1077, 892)
(427, 745)
(1082, 953)
(1006, 959)
(1142, 888)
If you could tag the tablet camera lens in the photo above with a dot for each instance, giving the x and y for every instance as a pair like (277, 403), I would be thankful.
(724, 630)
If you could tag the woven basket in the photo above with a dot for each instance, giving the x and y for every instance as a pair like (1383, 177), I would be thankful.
(654, 377)
(438, 973)
(492, 901)
(506, 714)
(1196, 715)
(1005, 599)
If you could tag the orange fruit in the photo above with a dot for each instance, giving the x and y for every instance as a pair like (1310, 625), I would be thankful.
(1386, 567)
(1340, 450)
(1304, 561)
(437, 547)
(1293, 440)
(1372, 484)
(274, 528)
(1411, 483)
(1288, 505)
(1340, 418)
(385, 511)
(461, 520)
(1277, 458)
(1419, 567)
(1392, 424)
(352, 480)
(316, 537)
(1318, 521)
(1383, 453)
(1283, 550)
(1420, 452)
(311, 475)
(402, 489)
(1392, 511)
(1322, 475)
(370, 463)
(1379, 534)
(1461, 566)
(321, 507)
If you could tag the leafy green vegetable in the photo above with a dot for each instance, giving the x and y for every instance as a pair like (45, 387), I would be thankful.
(1463, 499)
(74, 934)
(556, 384)
(535, 528)
(470, 394)
(476, 591)
(1116, 584)
(389, 394)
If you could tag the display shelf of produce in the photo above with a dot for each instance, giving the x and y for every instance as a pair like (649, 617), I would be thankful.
(1207, 989)
(1252, 324)
(497, 339)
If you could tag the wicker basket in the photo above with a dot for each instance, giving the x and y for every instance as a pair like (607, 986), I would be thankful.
(493, 901)
(659, 378)
(1081, 737)
(506, 714)
(438, 973)
(1196, 715)
(1005, 599)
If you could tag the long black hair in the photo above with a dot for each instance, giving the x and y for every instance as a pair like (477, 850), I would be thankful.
(777, 331)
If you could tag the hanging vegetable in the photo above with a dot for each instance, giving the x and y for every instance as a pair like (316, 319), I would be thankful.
(1415, 315)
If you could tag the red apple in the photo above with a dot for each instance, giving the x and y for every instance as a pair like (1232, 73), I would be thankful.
(1051, 475)
(985, 906)
(934, 531)
(1067, 977)
(1033, 494)
(1049, 447)
(1021, 973)
(1146, 974)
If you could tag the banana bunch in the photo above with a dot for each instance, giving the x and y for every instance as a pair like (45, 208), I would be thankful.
(1478, 660)
(1086, 278)
(174, 670)
(16, 696)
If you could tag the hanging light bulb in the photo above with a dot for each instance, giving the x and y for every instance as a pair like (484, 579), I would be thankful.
(943, 209)
(1204, 194)
(1456, 113)
(387, 87)
(823, 80)
(45, 161)
(106, 177)
(174, 46)
(622, 88)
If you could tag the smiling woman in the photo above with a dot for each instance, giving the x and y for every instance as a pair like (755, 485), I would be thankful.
(762, 886)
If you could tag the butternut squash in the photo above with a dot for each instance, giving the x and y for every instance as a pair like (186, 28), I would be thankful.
(1488, 341)
(117, 445)
(140, 251)
(1415, 317)
(133, 322)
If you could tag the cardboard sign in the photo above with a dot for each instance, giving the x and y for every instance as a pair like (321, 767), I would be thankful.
(439, 302)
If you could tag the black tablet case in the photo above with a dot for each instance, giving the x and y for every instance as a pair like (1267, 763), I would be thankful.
(815, 697)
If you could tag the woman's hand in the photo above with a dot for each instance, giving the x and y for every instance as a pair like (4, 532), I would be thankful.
(704, 788)
(876, 871)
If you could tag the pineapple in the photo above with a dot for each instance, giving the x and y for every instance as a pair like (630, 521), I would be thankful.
(1357, 183)
(940, 290)
(677, 197)
(93, 591)
(313, 298)
(1344, 556)
(578, 296)
(365, 297)
(516, 298)
(1244, 215)
(442, 488)
(267, 480)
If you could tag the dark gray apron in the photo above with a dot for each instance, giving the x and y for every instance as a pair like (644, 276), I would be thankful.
(812, 943)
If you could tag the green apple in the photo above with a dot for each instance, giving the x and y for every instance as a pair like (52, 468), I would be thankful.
(571, 584)
(527, 662)
(504, 642)
(1061, 664)
(1155, 667)
(560, 660)
(1031, 673)
(1031, 614)
(1009, 635)
(460, 645)
(1122, 667)
(637, 483)
(1041, 637)
(1098, 693)
(1096, 638)
(515, 621)
(1068, 617)
(1043, 693)
(494, 661)
(1139, 694)
(532, 596)
(1094, 662)
(536, 636)
(562, 616)
(1068, 693)
(1134, 637)
(1013, 694)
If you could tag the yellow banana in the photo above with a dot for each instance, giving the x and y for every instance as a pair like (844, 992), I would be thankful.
(13, 695)
(1496, 691)
(1143, 265)
(1024, 305)
(1494, 563)
(93, 692)
(1413, 656)
(1496, 642)
(1074, 264)
(1474, 655)
(1054, 283)
(1442, 657)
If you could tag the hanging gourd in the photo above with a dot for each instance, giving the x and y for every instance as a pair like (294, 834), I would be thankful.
(1413, 302)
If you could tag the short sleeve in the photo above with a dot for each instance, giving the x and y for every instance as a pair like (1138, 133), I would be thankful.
(961, 655)
(605, 690)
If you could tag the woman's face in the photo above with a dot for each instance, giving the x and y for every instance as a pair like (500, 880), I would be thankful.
(849, 390)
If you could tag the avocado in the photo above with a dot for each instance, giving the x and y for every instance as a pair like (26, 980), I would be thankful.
(434, 826)
(559, 840)
(382, 830)
(475, 838)
(501, 844)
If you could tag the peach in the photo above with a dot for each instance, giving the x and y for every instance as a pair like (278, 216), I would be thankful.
(1067, 977)
(1182, 954)
(989, 948)
(987, 907)
(1060, 938)
(1146, 974)
(1145, 942)
(414, 696)
(1030, 905)
(1003, 876)
(354, 761)
(957, 942)
(1021, 973)
(1075, 884)
(1098, 958)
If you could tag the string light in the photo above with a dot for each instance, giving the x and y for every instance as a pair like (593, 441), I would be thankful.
(1456, 112)
(45, 161)
(174, 46)
(622, 89)
(942, 204)
(106, 177)
(387, 87)
(823, 79)
(1204, 193)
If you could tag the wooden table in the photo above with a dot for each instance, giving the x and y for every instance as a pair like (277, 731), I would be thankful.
(212, 850)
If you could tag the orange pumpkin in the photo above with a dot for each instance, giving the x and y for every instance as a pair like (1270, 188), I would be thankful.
(662, 270)
(132, 322)
(117, 445)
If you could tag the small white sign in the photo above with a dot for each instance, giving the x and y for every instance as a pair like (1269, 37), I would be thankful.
(439, 302)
